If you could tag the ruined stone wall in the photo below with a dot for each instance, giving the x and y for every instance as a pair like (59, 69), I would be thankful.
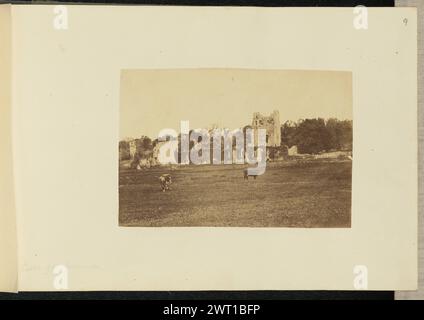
(133, 148)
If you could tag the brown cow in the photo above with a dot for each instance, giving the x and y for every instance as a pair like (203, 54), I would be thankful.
(165, 182)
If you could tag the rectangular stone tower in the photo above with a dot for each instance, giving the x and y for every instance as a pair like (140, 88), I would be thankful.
(272, 126)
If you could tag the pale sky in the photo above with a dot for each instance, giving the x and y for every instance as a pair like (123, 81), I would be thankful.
(155, 99)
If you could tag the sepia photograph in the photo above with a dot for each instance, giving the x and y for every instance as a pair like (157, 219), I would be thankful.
(209, 153)
(235, 148)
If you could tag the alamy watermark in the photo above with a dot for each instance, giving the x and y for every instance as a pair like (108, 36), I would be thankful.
(360, 277)
(360, 18)
(60, 277)
(60, 17)
(245, 151)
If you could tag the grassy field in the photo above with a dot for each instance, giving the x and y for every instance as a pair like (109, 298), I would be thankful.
(311, 195)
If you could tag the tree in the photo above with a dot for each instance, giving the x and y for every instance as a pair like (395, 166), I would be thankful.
(317, 135)
(145, 143)
(288, 133)
(340, 133)
(124, 150)
(311, 136)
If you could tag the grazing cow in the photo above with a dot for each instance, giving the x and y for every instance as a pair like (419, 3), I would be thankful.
(246, 175)
(165, 182)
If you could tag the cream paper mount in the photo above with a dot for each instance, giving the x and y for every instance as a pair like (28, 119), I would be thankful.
(71, 215)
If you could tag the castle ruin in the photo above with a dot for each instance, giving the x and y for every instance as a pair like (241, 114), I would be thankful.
(272, 126)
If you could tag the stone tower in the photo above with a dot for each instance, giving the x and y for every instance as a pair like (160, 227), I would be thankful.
(272, 126)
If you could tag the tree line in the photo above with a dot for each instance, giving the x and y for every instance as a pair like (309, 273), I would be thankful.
(317, 135)
(311, 136)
